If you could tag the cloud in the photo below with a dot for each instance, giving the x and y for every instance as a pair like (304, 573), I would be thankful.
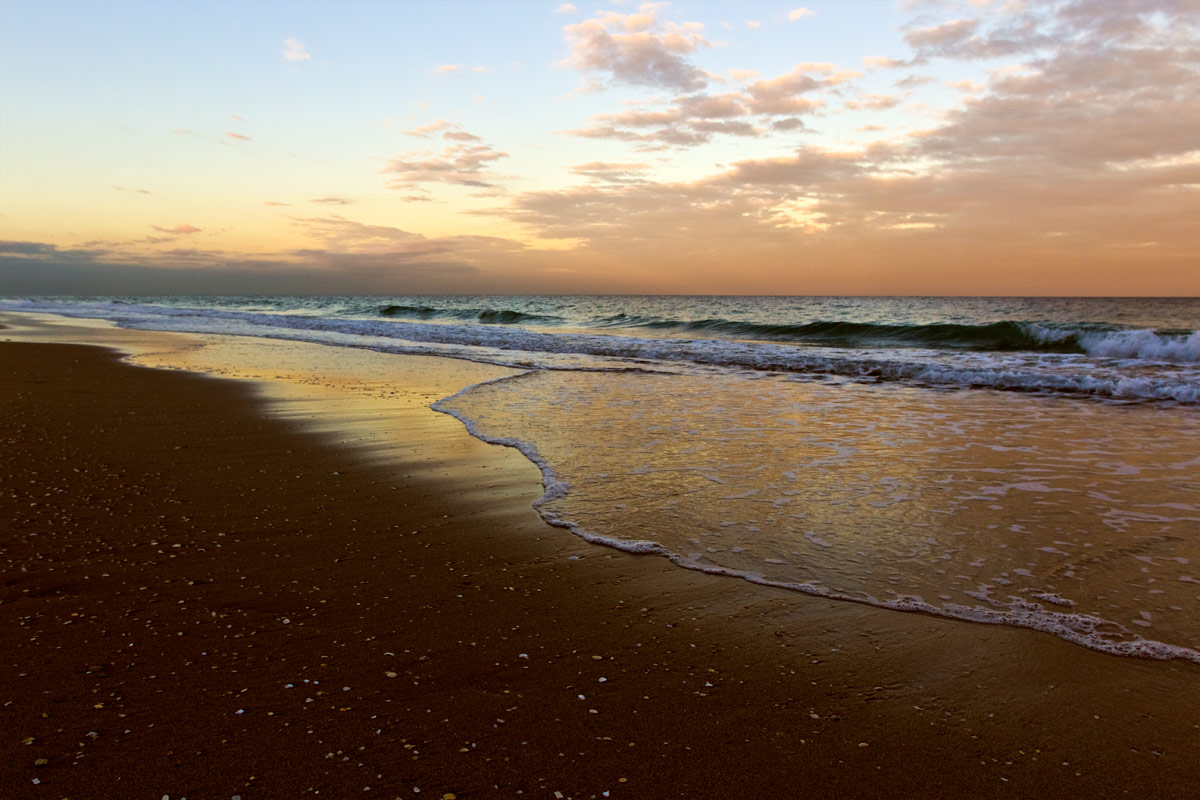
(43, 249)
(134, 191)
(741, 203)
(566, 8)
(1112, 90)
(637, 50)
(219, 273)
(874, 102)
(800, 13)
(688, 121)
(942, 37)
(275, 203)
(966, 85)
(345, 236)
(642, 50)
(1021, 28)
(450, 131)
(693, 119)
(456, 69)
(425, 131)
(781, 94)
(237, 137)
(294, 50)
(464, 161)
(182, 229)
(351, 257)
(883, 62)
(332, 201)
(913, 81)
(753, 24)
(612, 172)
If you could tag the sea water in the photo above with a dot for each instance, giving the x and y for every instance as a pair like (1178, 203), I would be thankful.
(1018, 461)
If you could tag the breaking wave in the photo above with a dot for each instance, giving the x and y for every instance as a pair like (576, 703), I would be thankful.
(486, 316)
(1098, 339)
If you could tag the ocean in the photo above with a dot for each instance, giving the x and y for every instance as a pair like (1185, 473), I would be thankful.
(1032, 462)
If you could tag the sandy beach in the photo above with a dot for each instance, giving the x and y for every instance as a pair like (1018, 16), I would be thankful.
(206, 594)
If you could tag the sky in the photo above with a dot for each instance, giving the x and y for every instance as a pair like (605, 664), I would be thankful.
(918, 147)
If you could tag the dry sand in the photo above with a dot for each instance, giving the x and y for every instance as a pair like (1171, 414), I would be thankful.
(205, 597)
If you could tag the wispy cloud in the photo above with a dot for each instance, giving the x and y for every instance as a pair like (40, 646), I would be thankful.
(966, 85)
(800, 13)
(943, 37)
(464, 161)
(294, 50)
(182, 229)
(612, 172)
(332, 200)
(43, 249)
(450, 131)
(237, 137)
(757, 107)
(875, 102)
(425, 131)
(457, 69)
(883, 62)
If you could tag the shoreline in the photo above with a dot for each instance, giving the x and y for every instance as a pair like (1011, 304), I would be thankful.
(713, 688)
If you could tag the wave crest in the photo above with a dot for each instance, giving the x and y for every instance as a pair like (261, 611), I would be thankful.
(486, 316)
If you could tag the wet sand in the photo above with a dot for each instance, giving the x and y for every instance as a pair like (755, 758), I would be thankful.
(205, 599)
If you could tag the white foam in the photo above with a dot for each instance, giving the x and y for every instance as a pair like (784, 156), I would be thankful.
(1057, 600)
(1145, 344)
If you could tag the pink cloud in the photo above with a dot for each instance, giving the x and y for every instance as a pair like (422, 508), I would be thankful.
(182, 228)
